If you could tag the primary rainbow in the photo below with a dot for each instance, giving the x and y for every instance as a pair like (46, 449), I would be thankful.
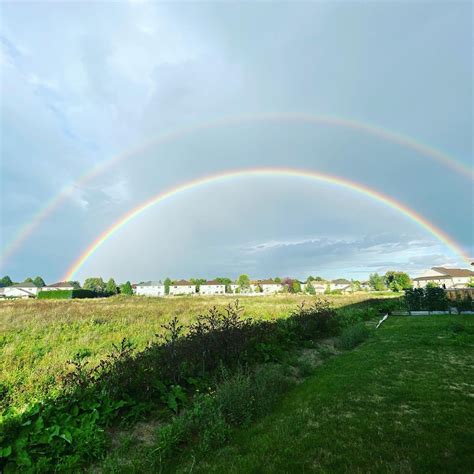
(370, 129)
(286, 172)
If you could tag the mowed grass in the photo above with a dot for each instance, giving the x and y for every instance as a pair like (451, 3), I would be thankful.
(401, 402)
(38, 337)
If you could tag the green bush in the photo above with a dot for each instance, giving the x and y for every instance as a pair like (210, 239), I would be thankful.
(430, 298)
(65, 294)
(55, 295)
(352, 336)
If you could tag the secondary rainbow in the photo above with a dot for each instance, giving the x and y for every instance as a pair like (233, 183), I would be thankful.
(263, 172)
(363, 127)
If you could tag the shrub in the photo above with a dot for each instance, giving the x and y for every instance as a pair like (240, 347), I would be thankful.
(65, 294)
(352, 336)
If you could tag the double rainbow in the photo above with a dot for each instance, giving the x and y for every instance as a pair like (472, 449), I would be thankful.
(369, 129)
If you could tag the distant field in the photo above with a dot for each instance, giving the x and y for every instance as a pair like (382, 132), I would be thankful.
(38, 337)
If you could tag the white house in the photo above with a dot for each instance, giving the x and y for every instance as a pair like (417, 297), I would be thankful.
(319, 286)
(150, 288)
(182, 287)
(212, 287)
(21, 290)
(341, 284)
(62, 285)
(445, 277)
(270, 287)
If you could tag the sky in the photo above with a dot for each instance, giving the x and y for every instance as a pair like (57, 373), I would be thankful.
(82, 83)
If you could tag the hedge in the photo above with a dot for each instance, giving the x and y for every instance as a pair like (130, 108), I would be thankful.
(65, 294)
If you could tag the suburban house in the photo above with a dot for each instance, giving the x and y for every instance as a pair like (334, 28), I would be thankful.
(212, 287)
(340, 284)
(445, 277)
(22, 290)
(365, 285)
(62, 285)
(319, 286)
(150, 288)
(234, 287)
(182, 287)
(269, 287)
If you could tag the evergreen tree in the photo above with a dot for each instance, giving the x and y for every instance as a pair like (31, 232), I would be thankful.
(38, 281)
(5, 281)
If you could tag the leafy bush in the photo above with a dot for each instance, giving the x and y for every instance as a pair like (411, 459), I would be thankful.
(352, 336)
(65, 294)
(430, 298)
(463, 304)
(55, 295)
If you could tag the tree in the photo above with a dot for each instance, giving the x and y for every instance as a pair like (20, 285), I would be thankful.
(5, 281)
(243, 281)
(38, 281)
(111, 287)
(295, 287)
(310, 288)
(277, 280)
(376, 282)
(75, 284)
(95, 284)
(167, 284)
(126, 289)
(397, 281)
(198, 282)
(309, 279)
(471, 283)
(28, 280)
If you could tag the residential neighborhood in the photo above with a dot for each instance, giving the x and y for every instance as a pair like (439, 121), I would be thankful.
(446, 278)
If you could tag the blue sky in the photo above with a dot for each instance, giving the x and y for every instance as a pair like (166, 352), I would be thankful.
(83, 82)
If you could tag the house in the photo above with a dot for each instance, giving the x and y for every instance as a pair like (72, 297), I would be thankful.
(270, 287)
(212, 287)
(319, 286)
(150, 288)
(341, 284)
(234, 287)
(62, 285)
(365, 286)
(21, 290)
(182, 287)
(445, 277)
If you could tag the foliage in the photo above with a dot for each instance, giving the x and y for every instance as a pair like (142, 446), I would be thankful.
(471, 283)
(352, 336)
(38, 281)
(377, 282)
(430, 298)
(28, 280)
(111, 287)
(167, 284)
(96, 285)
(5, 281)
(463, 303)
(75, 284)
(243, 281)
(65, 294)
(126, 288)
(397, 281)
(310, 288)
(198, 282)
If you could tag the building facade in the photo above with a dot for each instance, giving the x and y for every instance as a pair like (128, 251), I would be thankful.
(448, 278)
(182, 287)
(212, 287)
(150, 288)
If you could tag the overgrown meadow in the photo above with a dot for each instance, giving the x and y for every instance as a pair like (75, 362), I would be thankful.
(37, 338)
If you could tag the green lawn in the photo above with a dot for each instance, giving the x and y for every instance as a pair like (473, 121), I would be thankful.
(401, 402)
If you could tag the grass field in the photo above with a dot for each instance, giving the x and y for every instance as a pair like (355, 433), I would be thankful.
(401, 402)
(38, 337)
